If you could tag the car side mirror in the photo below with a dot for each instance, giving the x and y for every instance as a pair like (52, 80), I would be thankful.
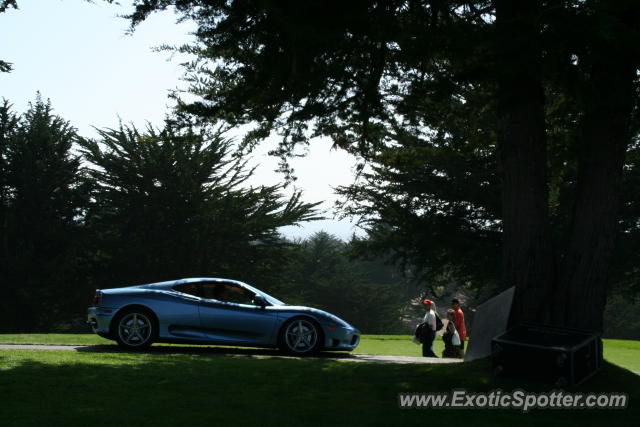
(260, 301)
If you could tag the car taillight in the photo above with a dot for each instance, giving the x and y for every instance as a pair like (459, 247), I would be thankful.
(97, 298)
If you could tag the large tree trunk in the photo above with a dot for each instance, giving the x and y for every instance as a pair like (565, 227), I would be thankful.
(581, 295)
(527, 253)
(576, 297)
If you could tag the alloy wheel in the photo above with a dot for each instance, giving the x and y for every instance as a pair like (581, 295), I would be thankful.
(134, 329)
(301, 336)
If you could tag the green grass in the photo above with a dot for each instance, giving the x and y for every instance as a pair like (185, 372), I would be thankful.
(54, 339)
(395, 345)
(370, 344)
(159, 389)
(624, 353)
(399, 345)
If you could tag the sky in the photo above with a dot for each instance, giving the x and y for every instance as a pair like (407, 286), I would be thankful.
(79, 55)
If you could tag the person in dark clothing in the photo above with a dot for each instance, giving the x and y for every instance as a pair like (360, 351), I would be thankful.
(451, 344)
(429, 330)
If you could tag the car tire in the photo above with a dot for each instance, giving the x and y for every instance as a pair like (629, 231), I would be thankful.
(300, 336)
(135, 328)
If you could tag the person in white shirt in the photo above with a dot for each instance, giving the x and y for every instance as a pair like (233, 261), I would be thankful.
(429, 336)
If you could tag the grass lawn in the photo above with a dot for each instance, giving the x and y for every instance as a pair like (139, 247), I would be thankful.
(624, 353)
(162, 389)
(54, 339)
(147, 389)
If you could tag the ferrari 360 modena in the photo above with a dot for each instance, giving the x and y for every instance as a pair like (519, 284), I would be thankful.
(214, 311)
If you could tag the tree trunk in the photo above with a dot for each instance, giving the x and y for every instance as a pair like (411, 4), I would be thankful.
(527, 254)
(581, 295)
(576, 297)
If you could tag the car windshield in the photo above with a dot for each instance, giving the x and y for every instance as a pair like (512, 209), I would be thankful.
(271, 300)
(193, 289)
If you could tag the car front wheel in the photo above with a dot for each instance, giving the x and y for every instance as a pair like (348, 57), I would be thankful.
(135, 329)
(300, 337)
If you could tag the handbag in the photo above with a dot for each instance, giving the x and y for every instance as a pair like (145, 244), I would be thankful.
(455, 340)
(419, 332)
(439, 324)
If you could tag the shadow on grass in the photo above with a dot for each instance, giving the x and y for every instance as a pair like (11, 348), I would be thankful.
(208, 351)
(164, 387)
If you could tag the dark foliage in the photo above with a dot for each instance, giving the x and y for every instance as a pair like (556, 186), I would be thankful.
(174, 203)
(146, 206)
(43, 196)
(324, 272)
(495, 131)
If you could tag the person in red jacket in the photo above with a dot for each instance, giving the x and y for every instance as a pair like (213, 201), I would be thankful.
(462, 329)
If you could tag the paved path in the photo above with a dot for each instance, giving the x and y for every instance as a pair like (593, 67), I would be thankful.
(213, 351)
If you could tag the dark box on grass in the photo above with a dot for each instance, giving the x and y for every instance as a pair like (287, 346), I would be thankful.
(562, 356)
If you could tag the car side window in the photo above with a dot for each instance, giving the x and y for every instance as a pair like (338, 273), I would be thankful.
(227, 292)
(188, 288)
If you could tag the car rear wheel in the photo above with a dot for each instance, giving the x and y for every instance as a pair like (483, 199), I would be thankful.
(300, 337)
(135, 328)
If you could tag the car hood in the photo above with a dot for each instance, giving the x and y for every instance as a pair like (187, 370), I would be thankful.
(321, 314)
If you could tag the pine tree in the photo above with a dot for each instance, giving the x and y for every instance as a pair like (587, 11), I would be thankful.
(43, 199)
(174, 203)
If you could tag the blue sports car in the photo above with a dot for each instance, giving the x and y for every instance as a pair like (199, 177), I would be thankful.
(214, 311)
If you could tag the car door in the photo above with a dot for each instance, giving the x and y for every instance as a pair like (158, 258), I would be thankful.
(181, 315)
(228, 316)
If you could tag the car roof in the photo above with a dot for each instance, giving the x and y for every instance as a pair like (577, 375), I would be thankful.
(171, 283)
